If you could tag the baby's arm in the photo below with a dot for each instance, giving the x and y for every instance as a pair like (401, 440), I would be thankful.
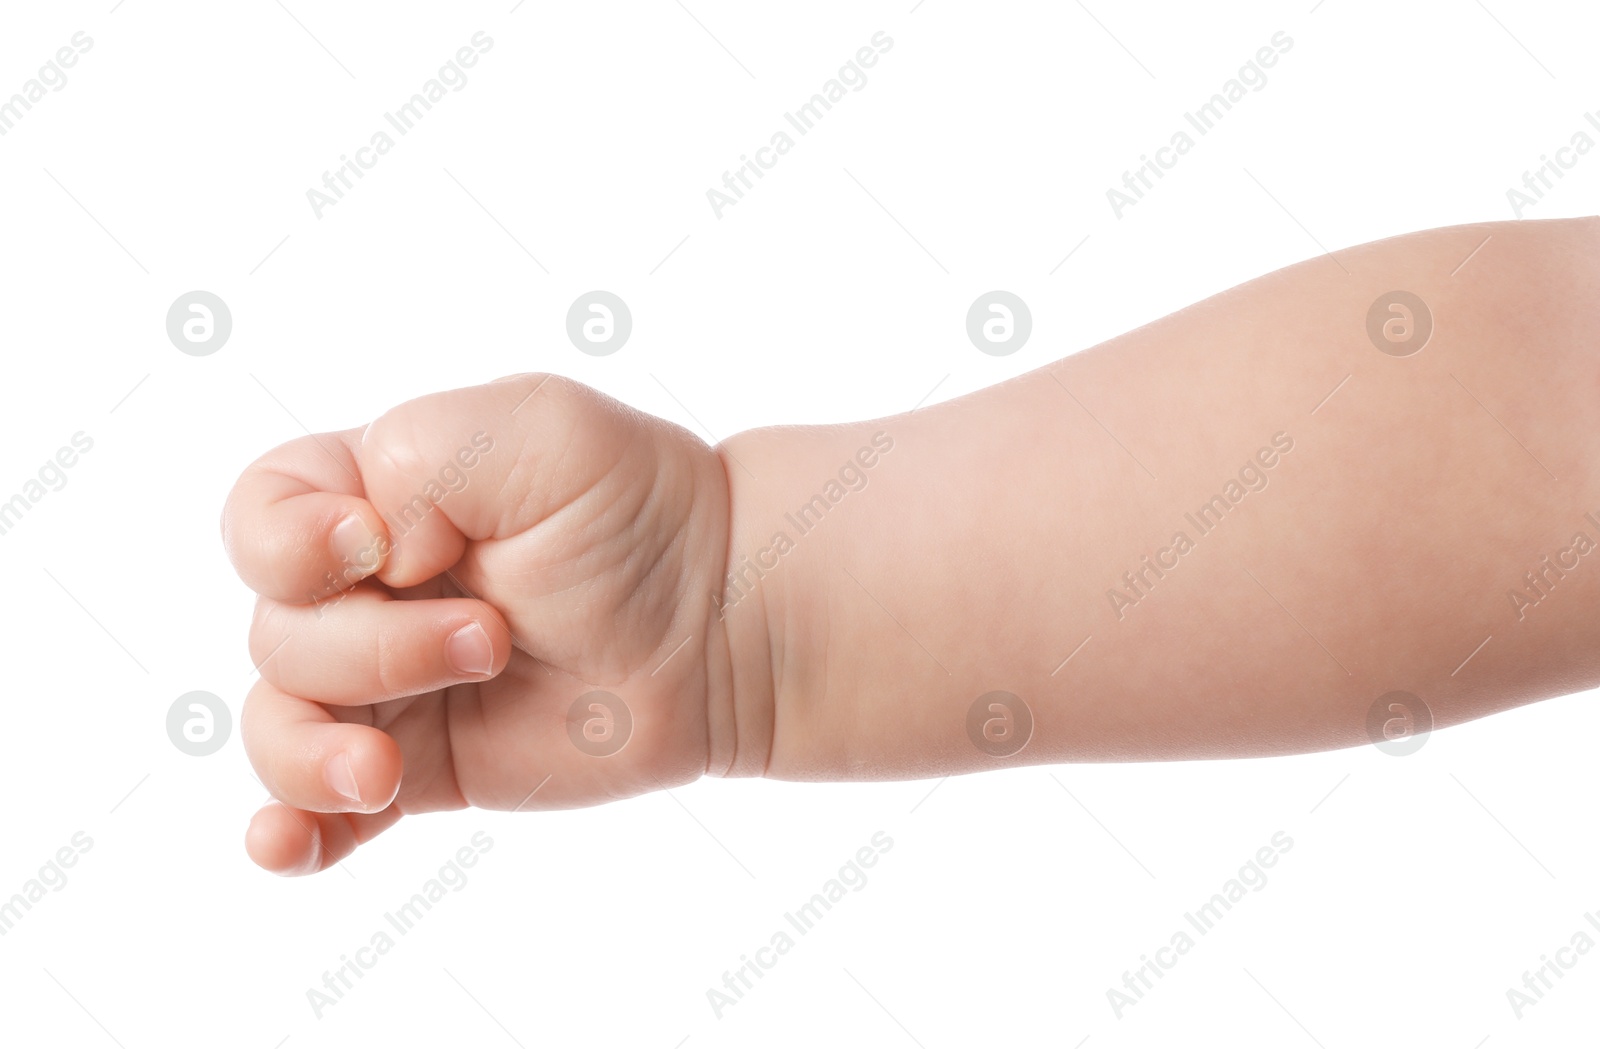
(1238, 530)
(1227, 533)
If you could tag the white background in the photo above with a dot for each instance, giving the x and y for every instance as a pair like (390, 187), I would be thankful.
(578, 156)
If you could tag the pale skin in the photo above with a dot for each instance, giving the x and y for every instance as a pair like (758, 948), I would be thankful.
(966, 548)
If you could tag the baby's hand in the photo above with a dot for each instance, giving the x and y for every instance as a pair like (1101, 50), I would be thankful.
(498, 596)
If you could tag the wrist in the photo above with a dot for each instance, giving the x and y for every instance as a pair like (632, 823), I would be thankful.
(798, 512)
(742, 716)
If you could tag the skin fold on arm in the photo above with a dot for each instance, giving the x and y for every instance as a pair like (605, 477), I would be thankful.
(1228, 533)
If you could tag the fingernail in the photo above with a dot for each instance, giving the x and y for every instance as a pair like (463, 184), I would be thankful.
(353, 542)
(341, 777)
(469, 651)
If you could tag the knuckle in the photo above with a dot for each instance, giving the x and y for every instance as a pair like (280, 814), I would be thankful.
(387, 654)
(390, 442)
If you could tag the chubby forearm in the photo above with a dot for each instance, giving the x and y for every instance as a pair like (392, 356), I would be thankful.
(1227, 533)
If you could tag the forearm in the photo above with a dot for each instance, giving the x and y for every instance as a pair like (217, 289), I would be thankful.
(1026, 538)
